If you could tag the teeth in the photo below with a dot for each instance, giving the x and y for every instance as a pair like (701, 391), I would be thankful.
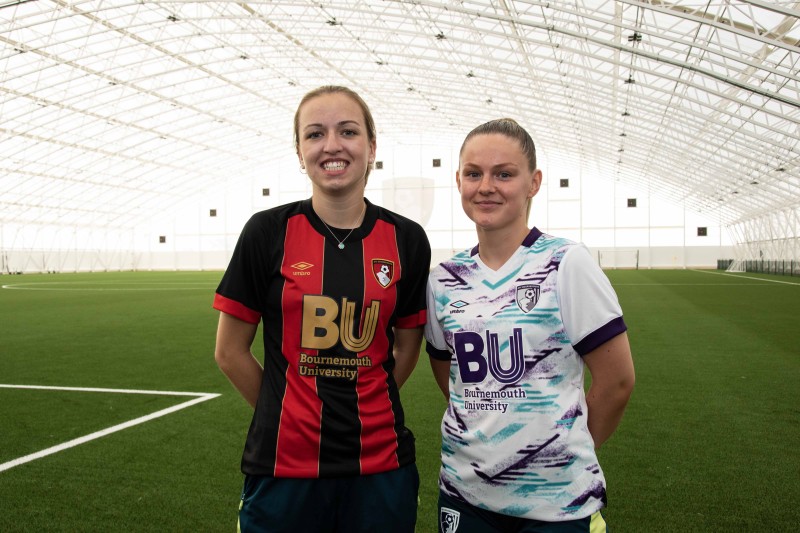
(334, 165)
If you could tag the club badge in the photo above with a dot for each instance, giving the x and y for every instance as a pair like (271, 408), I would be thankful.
(384, 271)
(448, 520)
(527, 296)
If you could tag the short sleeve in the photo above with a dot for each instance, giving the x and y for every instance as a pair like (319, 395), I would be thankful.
(240, 291)
(435, 344)
(589, 306)
(411, 309)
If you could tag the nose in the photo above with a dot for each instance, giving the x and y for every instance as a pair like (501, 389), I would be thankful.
(486, 185)
(332, 144)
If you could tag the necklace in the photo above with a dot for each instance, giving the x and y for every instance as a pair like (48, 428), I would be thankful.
(355, 225)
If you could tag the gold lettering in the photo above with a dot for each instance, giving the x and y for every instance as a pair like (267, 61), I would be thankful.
(319, 330)
(349, 340)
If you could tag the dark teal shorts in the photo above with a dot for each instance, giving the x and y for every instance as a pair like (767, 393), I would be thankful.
(385, 502)
(456, 516)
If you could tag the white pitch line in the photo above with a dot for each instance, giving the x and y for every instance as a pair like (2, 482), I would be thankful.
(199, 397)
(93, 389)
(746, 277)
(41, 286)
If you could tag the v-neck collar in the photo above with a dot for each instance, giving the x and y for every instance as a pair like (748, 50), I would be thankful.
(495, 278)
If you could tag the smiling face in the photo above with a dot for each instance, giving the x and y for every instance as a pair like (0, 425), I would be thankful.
(334, 143)
(496, 182)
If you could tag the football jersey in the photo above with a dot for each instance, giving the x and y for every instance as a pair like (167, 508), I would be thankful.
(514, 437)
(328, 404)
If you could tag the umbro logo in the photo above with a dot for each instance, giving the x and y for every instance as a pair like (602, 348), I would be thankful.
(458, 306)
(300, 268)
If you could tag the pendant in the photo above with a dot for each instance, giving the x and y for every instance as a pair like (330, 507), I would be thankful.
(341, 246)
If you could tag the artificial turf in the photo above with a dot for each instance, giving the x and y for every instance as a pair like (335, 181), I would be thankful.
(707, 443)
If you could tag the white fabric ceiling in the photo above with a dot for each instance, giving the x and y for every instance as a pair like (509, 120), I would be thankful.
(113, 111)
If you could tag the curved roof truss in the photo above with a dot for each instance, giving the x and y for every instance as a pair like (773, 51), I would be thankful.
(111, 111)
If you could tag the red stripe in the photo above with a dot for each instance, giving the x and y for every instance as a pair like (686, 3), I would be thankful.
(234, 308)
(299, 433)
(412, 321)
(378, 437)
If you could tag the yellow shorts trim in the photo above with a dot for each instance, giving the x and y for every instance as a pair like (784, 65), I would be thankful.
(597, 524)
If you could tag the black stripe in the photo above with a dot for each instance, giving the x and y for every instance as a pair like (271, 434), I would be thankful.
(340, 447)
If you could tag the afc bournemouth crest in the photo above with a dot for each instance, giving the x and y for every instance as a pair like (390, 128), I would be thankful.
(527, 296)
(448, 520)
(383, 270)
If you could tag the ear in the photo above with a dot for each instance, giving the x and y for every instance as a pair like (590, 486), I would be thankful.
(458, 181)
(300, 159)
(373, 148)
(535, 183)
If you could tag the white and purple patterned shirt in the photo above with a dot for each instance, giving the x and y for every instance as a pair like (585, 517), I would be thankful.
(514, 437)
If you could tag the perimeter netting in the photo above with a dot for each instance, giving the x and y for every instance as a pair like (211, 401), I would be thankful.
(613, 259)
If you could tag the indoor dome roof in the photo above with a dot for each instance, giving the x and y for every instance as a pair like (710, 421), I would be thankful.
(111, 111)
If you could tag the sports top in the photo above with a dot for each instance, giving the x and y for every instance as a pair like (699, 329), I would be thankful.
(328, 404)
(514, 436)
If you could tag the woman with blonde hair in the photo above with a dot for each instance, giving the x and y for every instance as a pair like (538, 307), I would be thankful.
(338, 284)
(511, 325)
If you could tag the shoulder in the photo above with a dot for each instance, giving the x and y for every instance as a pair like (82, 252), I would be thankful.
(272, 220)
(551, 242)
(554, 249)
(454, 270)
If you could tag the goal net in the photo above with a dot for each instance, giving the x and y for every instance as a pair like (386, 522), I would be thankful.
(737, 265)
(613, 259)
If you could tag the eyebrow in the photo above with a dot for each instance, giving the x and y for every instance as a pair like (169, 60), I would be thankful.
(468, 164)
(342, 123)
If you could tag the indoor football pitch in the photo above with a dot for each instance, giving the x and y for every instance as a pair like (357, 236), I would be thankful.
(114, 416)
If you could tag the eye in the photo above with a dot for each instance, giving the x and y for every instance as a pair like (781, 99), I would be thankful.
(472, 174)
(313, 135)
(504, 175)
(349, 133)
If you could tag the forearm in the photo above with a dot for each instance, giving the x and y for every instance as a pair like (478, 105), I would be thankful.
(233, 356)
(407, 343)
(606, 407)
(613, 378)
(441, 373)
(403, 369)
(245, 374)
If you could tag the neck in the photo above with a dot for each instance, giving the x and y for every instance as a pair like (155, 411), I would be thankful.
(495, 247)
(340, 213)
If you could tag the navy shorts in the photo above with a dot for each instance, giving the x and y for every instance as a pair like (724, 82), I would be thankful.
(456, 516)
(380, 503)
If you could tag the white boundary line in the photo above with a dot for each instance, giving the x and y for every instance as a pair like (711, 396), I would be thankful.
(76, 286)
(199, 397)
(746, 277)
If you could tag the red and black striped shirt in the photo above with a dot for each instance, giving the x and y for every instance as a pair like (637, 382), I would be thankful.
(328, 404)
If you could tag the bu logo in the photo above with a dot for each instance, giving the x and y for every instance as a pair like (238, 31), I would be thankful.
(527, 296)
(474, 366)
(448, 520)
(383, 270)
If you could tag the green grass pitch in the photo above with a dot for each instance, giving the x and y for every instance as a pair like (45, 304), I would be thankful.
(709, 441)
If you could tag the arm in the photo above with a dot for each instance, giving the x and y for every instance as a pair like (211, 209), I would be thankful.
(611, 367)
(441, 373)
(407, 343)
(234, 358)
